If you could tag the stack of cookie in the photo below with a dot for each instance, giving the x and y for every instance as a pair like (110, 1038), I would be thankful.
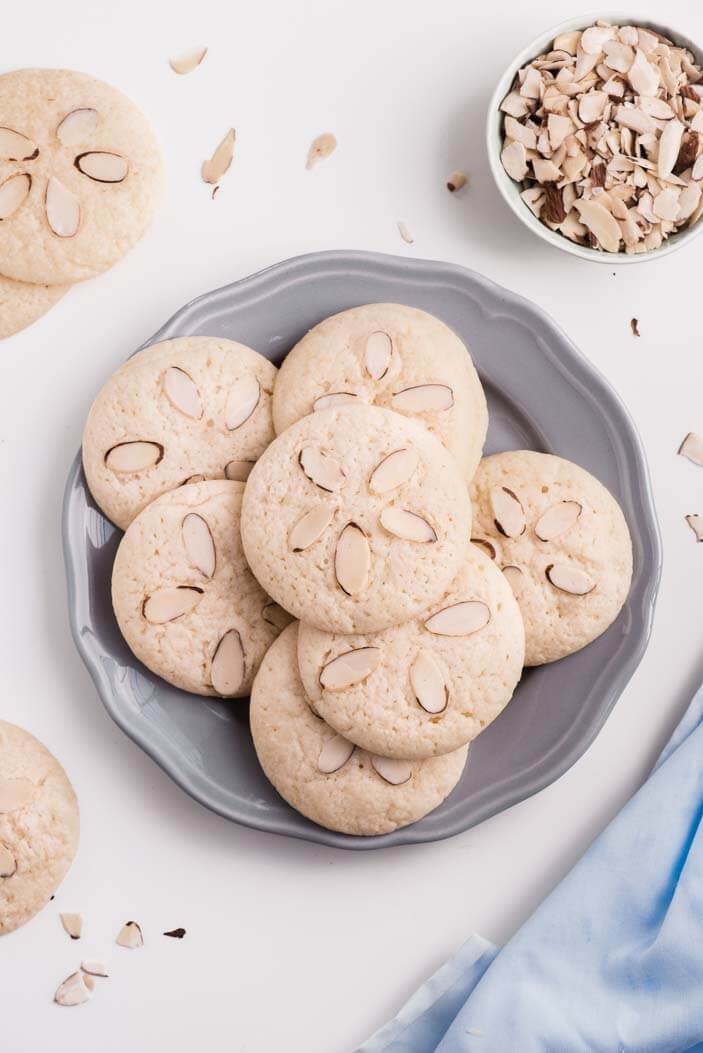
(80, 179)
(338, 495)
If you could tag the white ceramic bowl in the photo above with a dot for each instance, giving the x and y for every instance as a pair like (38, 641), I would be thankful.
(511, 190)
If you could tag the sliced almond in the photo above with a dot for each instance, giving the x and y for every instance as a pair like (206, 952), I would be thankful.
(167, 604)
(531, 86)
(601, 223)
(567, 42)
(276, 616)
(692, 447)
(13, 193)
(428, 683)
(198, 543)
(238, 471)
(696, 524)
(593, 39)
(129, 936)
(669, 146)
(93, 967)
(213, 170)
(643, 75)
(459, 619)
(8, 863)
(619, 55)
(393, 771)
(409, 526)
(591, 106)
(186, 63)
(352, 559)
(242, 399)
(515, 105)
(393, 471)
(569, 578)
(559, 518)
(456, 181)
(508, 513)
(310, 527)
(75, 989)
(137, 456)
(321, 148)
(63, 210)
(228, 665)
(666, 204)
(73, 925)
(334, 754)
(377, 356)
(485, 545)
(424, 398)
(349, 668)
(335, 398)
(514, 576)
(634, 118)
(14, 146)
(15, 794)
(182, 393)
(78, 126)
(321, 468)
(103, 166)
(514, 161)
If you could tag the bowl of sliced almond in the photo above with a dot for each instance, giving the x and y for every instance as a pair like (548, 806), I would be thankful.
(595, 138)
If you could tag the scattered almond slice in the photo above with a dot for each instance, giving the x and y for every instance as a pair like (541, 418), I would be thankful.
(78, 126)
(515, 577)
(459, 619)
(423, 398)
(93, 967)
(320, 149)
(103, 167)
(130, 936)
(73, 925)
(393, 471)
(238, 471)
(557, 520)
(75, 989)
(696, 524)
(334, 398)
(407, 525)
(334, 754)
(428, 683)
(182, 392)
(508, 513)
(186, 63)
(15, 794)
(167, 604)
(310, 527)
(350, 668)
(377, 355)
(13, 193)
(213, 170)
(276, 616)
(405, 232)
(692, 448)
(8, 863)
(198, 543)
(228, 664)
(486, 546)
(242, 399)
(456, 181)
(321, 468)
(136, 456)
(568, 578)
(14, 146)
(634, 326)
(395, 772)
(352, 560)
(63, 210)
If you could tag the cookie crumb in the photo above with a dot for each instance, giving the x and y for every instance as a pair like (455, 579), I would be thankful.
(177, 934)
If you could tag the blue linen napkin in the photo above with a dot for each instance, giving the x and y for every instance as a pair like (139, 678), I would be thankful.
(611, 962)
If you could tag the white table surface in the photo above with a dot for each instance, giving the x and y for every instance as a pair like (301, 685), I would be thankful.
(290, 946)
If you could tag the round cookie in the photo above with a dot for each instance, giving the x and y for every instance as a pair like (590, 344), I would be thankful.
(563, 543)
(80, 175)
(355, 519)
(39, 826)
(22, 303)
(326, 778)
(426, 687)
(392, 356)
(192, 407)
(184, 598)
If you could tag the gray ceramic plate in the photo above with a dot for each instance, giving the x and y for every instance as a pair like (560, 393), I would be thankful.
(542, 394)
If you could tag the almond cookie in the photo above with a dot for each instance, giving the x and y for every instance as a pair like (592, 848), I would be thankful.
(80, 175)
(22, 303)
(325, 777)
(183, 410)
(355, 519)
(562, 542)
(392, 356)
(430, 685)
(39, 825)
(184, 598)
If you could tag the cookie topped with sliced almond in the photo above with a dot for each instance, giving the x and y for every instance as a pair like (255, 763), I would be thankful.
(80, 175)
(326, 777)
(426, 687)
(389, 355)
(184, 598)
(562, 542)
(180, 411)
(355, 519)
